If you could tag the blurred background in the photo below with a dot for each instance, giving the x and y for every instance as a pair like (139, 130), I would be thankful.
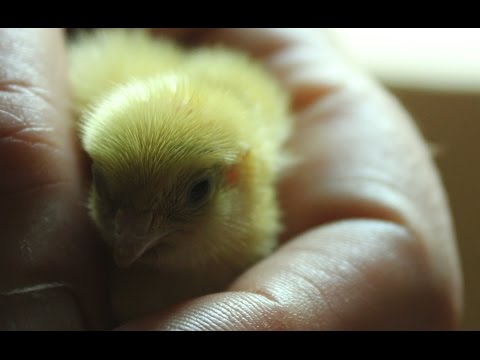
(436, 75)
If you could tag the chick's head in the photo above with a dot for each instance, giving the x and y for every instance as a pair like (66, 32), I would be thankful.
(167, 169)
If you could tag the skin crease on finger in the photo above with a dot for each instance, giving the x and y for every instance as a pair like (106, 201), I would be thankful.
(361, 157)
(50, 263)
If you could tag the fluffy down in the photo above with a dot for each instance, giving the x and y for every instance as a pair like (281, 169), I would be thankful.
(186, 150)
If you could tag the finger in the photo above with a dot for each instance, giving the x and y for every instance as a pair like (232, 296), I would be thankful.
(361, 154)
(50, 265)
(352, 275)
(186, 36)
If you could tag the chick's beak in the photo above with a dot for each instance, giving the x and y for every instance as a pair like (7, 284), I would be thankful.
(126, 254)
(132, 236)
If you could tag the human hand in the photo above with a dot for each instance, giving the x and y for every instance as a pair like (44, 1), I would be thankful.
(51, 264)
(368, 242)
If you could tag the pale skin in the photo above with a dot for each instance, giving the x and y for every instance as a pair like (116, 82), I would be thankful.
(369, 241)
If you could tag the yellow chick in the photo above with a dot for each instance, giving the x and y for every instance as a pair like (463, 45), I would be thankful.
(186, 150)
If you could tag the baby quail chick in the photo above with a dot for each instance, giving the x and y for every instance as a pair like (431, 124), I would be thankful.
(186, 150)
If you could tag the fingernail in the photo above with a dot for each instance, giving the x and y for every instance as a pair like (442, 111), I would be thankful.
(40, 307)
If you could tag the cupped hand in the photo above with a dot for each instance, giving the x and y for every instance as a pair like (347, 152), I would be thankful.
(369, 242)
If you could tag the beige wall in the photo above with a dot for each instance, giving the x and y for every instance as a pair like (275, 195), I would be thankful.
(452, 121)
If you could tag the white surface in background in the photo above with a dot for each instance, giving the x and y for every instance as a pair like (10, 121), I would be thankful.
(439, 58)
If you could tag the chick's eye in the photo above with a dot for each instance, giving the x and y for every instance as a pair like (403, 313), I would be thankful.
(199, 192)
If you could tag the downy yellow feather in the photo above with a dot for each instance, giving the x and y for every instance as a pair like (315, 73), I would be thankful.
(186, 149)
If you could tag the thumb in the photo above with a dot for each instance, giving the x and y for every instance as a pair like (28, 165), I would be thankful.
(50, 266)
